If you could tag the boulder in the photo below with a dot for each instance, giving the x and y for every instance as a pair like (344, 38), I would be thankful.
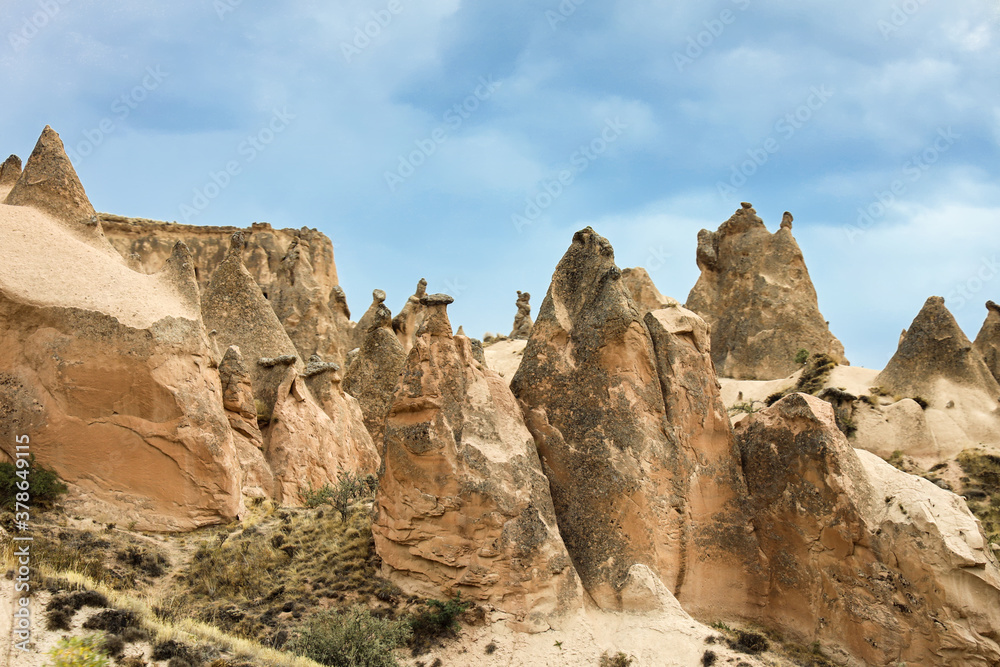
(374, 372)
(756, 295)
(590, 391)
(878, 566)
(463, 506)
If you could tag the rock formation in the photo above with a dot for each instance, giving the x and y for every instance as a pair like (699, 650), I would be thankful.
(313, 306)
(522, 321)
(315, 319)
(988, 341)
(238, 401)
(463, 505)
(374, 372)
(10, 171)
(360, 330)
(407, 322)
(644, 293)
(307, 441)
(755, 293)
(590, 392)
(108, 371)
(879, 566)
(50, 184)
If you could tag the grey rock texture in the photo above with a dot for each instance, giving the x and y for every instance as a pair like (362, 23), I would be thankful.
(374, 372)
(988, 341)
(522, 321)
(49, 182)
(755, 293)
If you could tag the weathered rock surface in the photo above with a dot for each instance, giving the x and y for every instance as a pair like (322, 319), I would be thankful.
(313, 307)
(374, 372)
(238, 401)
(755, 293)
(50, 184)
(644, 293)
(522, 321)
(988, 341)
(879, 566)
(109, 372)
(462, 502)
(308, 440)
(407, 322)
(316, 319)
(10, 171)
(590, 391)
(360, 330)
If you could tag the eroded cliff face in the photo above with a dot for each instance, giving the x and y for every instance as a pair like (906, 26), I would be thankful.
(881, 565)
(756, 295)
(463, 505)
(294, 268)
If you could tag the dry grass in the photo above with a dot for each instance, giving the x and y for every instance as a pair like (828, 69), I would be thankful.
(982, 490)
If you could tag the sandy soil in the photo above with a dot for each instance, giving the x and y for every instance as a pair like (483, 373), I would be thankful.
(43, 262)
(505, 357)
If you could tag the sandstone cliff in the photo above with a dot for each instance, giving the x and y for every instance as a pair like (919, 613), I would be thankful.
(755, 293)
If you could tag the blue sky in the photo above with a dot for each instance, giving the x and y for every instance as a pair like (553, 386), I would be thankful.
(465, 142)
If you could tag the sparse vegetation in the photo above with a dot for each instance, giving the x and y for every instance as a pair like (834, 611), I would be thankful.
(619, 659)
(775, 397)
(351, 488)
(878, 391)
(438, 619)
(982, 491)
(352, 638)
(922, 402)
(79, 652)
(802, 356)
(747, 407)
(41, 485)
(815, 374)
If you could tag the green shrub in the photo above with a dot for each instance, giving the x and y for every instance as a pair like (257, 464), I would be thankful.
(351, 638)
(747, 407)
(43, 484)
(749, 642)
(440, 618)
(79, 652)
(816, 373)
(802, 356)
(350, 488)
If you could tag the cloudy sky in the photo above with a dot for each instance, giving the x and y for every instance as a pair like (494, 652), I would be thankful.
(465, 142)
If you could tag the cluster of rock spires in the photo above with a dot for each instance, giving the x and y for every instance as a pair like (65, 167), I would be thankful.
(607, 473)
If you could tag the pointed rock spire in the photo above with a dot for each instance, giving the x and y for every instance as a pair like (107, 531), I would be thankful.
(10, 171)
(755, 293)
(988, 341)
(373, 373)
(644, 292)
(408, 320)
(934, 348)
(50, 183)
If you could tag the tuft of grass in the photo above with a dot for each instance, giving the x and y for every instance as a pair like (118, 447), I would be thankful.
(815, 374)
(747, 407)
(353, 638)
(79, 652)
(982, 491)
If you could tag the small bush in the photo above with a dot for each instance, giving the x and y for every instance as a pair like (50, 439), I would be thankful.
(114, 621)
(441, 618)
(174, 650)
(802, 356)
(79, 652)
(43, 485)
(752, 643)
(617, 660)
(708, 659)
(816, 373)
(353, 638)
(350, 488)
(747, 407)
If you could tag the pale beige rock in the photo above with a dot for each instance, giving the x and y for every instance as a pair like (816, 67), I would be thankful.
(109, 372)
(10, 171)
(900, 426)
(238, 401)
(407, 322)
(878, 566)
(360, 329)
(644, 292)
(755, 293)
(504, 357)
(463, 505)
(522, 321)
